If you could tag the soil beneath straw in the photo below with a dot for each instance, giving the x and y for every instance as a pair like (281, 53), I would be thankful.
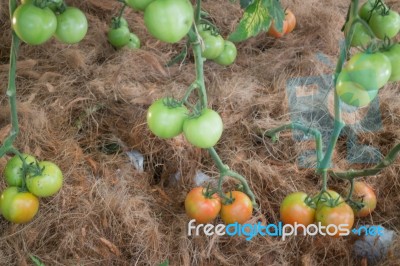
(78, 103)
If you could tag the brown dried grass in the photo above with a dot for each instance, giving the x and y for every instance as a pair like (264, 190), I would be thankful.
(74, 100)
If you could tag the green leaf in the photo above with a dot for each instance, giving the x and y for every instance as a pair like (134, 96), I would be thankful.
(245, 3)
(165, 263)
(255, 19)
(276, 12)
(36, 261)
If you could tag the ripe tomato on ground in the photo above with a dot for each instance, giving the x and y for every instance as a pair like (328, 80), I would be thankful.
(72, 26)
(13, 170)
(290, 20)
(240, 210)
(34, 25)
(205, 130)
(18, 207)
(166, 121)
(275, 33)
(46, 184)
(294, 209)
(364, 193)
(202, 208)
(169, 20)
(341, 214)
(228, 55)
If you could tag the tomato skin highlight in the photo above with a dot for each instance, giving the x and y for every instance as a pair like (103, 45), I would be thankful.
(205, 130)
(48, 183)
(166, 122)
(294, 210)
(18, 207)
(72, 26)
(34, 25)
(394, 56)
(202, 209)
(228, 55)
(364, 193)
(169, 20)
(340, 214)
(240, 210)
(13, 169)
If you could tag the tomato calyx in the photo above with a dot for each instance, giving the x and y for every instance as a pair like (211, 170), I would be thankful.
(325, 197)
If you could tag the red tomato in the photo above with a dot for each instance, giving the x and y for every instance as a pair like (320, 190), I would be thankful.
(275, 33)
(200, 207)
(240, 210)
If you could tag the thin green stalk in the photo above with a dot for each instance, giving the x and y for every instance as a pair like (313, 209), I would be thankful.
(197, 12)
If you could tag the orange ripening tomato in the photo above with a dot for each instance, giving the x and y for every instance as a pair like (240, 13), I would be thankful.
(290, 19)
(275, 33)
(294, 209)
(364, 193)
(202, 208)
(240, 210)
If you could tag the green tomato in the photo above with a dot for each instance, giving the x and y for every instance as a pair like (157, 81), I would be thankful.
(34, 25)
(394, 56)
(213, 45)
(205, 130)
(360, 35)
(385, 25)
(371, 71)
(138, 4)
(48, 183)
(165, 121)
(365, 10)
(119, 37)
(134, 41)
(72, 26)
(13, 170)
(228, 55)
(169, 20)
(123, 22)
(18, 207)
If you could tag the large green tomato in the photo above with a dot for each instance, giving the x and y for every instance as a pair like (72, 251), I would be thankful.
(213, 45)
(205, 130)
(169, 20)
(119, 37)
(385, 25)
(228, 55)
(13, 170)
(394, 56)
(134, 41)
(34, 25)
(72, 26)
(138, 4)
(164, 121)
(371, 71)
(48, 183)
(18, 207)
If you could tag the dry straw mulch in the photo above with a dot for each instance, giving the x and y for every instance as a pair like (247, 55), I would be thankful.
(75, 102)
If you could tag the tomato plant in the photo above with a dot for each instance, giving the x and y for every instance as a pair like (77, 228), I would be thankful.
(290, 20)
(240, 210)
(169, 20)
(202, 207)
(205, 130)
(295, 209)
(18, 207)
(72, 26)
(138, 4)
(385, 25)
(134, 41)
(393, 53)
(365, 194)
(213, 44)
(341, 214)
(47, 182)
(228, 55)
(371, 70)
(119, 37)
(33, 24)
(166, 121)
(13, 172)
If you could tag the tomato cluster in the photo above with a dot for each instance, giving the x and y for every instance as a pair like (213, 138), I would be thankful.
(289, 23)
(119, 34)
(328, 208)
(27, 180)
(167, 118)
(35, 24)
(223, 52)
(204, 206)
